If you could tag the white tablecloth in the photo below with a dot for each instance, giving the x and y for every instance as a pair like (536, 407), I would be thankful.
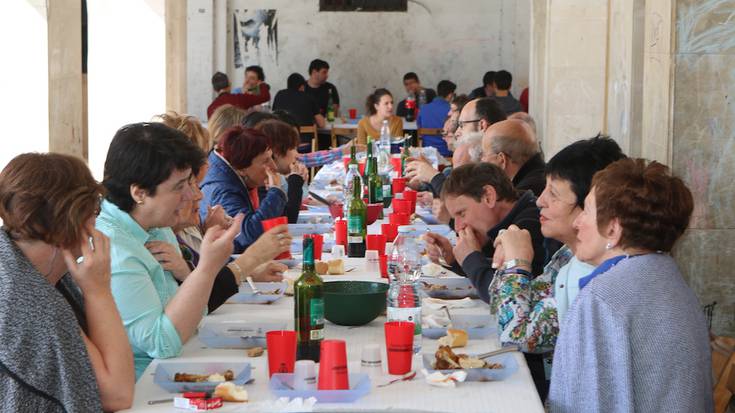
(516, 394)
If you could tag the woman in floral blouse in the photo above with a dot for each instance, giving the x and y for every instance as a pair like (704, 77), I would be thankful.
(529, 309)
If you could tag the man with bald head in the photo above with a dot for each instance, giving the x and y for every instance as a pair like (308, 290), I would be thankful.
(476, 116)
(512, 146)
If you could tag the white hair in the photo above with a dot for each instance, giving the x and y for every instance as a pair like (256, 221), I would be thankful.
(473, 140)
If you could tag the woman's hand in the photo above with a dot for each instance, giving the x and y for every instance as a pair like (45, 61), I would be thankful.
(217, 245)
(216, 215)
(269, 245)
(298, 168)
(93, 274)
(274, 179)
(170, 259)
(271, 271)
(512, 243)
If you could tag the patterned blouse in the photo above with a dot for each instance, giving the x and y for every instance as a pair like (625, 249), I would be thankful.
(526, 309)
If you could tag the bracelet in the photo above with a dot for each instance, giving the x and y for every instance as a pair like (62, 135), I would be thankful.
(516, 262)
(238, 271)
(516, 270)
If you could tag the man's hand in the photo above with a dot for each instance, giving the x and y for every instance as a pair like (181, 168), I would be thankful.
(438, 247)
(421, 170)
(466, 244)
(440, 211)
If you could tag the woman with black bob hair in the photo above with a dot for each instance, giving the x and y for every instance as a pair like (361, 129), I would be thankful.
(148, 174)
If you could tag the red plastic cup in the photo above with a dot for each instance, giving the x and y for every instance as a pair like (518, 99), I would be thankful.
(336, 210)
(318, 244)
(396, 163)
(340, 232)
(346, 161)
(361, 166)
(399, 346)
(399, 218)
(333, 366)
(390, 231)
(411, 196)
(272, 223)
(373, 212)
(399, 185)
(281, 351)
(402, 206)
(353, 113)
(383, 266)
(376, 242)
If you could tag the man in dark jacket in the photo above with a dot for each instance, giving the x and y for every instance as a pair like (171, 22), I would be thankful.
(511, 145)
(482, 202)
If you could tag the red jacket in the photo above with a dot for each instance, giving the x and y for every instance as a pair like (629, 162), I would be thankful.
(242, 101)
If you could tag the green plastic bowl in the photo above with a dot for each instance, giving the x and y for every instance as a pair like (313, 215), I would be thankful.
(354, 303)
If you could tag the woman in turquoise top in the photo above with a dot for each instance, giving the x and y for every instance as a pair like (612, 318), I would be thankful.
(148, 175)
(529, 310)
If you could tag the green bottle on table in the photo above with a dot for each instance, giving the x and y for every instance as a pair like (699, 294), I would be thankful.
(356, 221)
(353, 155)
(366, 172)
(375, 185)
(309, 308)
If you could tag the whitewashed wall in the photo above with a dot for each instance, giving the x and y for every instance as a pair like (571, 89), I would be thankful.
(24, 78)
(127, 69)
(437, 39)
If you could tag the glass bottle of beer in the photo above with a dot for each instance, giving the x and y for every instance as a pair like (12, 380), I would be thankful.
(356, 221)
(353, 154)
(366, 173)
(309, 307)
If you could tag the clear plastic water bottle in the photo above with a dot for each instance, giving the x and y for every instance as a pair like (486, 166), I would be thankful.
(352, 170)
(404, 269)
(385, 167)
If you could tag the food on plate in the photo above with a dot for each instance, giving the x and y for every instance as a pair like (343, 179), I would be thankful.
(255, 352)
(446, 359)
(433, 287)
(230, 392)
(336, 266)
(198, 378)
(321, 267)
(289, 286)
(454, 338)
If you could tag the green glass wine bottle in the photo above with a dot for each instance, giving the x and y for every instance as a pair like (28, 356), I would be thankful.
(356, 221)
(309, 307)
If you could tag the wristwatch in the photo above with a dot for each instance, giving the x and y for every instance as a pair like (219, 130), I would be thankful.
(516, 262)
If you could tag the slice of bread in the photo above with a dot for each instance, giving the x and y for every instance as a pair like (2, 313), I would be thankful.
(454, 338)
(230, 392)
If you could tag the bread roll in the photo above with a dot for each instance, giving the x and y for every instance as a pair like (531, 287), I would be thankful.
(336, 267)
(321, 267)
(454, 338)
(230, 392)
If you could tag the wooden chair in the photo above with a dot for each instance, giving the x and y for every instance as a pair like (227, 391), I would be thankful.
(723, 370)
(305, 130)
(348, 132)
(421, 132)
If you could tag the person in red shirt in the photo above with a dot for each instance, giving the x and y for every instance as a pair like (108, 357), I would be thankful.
(221, 84)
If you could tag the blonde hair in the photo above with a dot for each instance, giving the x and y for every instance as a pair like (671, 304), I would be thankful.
(225, 117)
(189, 125)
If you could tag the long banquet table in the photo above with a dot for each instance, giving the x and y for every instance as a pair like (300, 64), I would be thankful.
(516, 394)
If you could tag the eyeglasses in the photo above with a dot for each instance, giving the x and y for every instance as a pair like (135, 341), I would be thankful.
(461, 123)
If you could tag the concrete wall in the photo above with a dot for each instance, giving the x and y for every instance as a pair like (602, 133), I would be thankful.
(435, 38)
(703, 149)
(659, 76)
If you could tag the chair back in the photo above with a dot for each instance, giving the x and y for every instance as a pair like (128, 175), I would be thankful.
(348, 132)
(421, 132)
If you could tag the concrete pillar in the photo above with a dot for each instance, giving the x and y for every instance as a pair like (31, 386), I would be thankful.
(65, 85)
(176, 94)
(200, 55)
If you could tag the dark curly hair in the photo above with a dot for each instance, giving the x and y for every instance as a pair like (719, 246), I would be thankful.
(652, 205)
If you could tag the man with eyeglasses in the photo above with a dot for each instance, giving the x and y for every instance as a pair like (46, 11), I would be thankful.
(512, 146)
(476, 116)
